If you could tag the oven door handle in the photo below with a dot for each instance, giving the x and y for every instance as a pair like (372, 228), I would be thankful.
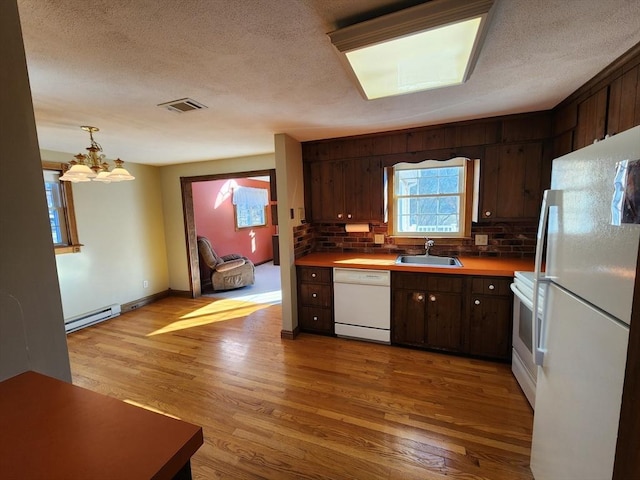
(522, 297)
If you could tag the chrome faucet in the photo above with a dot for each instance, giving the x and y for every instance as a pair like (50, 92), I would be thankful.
(428, 243)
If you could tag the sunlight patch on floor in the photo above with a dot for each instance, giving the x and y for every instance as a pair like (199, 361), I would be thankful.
(271, 298)
(217, 311)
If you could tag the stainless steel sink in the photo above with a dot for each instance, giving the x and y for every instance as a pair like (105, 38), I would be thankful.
(428, 261)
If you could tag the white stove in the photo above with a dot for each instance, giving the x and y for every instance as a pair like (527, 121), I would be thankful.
(522, 362)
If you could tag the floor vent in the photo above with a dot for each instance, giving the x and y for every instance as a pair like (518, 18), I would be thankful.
(183, 105)
(92, 318)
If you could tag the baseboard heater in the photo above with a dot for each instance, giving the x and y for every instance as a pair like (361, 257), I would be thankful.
(91, 318)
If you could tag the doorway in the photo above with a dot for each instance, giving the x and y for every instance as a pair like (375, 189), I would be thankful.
(226, 181)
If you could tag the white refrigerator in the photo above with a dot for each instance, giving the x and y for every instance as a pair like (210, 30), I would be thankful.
(589, 260)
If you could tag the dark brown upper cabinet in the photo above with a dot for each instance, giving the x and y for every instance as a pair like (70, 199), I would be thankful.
(592, 119)
(345, 191)
(607, 104)
(624, 102)
(512, 180)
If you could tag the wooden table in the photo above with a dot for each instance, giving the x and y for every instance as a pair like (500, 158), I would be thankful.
(51, 429)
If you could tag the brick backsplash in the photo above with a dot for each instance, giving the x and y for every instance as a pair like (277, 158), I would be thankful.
(517, 239)
(303, 240)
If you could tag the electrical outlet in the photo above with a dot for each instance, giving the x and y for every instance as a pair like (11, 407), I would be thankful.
(378, 239)
(482, 239)
(145, 284)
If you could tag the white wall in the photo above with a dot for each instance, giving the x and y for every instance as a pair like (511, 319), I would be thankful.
(173, 209)
(122, 229)
(290, 183)
(31, 323)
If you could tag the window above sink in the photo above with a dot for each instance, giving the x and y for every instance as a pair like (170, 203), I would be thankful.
(432, 198)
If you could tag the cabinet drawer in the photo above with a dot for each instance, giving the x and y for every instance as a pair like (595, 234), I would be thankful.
(491, 286)
(316, 319)
(445, 283)
(314, 275)
(427, 282)
(316, 295)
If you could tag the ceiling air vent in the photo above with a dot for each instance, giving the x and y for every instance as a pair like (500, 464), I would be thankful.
(182, 105)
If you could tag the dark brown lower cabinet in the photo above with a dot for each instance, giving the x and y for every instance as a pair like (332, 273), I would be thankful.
(409, 317)
(490, 317)
(469, 315)
(490, 327)
(316, 320)
(444, 321)
(315, 300)
(451, 313)
(426, 311)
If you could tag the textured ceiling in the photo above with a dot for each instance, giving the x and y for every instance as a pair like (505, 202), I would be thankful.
(265, 67)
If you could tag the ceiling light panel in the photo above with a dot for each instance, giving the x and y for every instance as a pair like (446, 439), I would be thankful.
(424, 47)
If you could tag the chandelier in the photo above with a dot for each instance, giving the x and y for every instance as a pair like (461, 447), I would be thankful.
(93, 166)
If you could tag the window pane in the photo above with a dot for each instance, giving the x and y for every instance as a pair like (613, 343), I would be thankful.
(450, 184)
(427, 205)
(403, 175)
(407, 186)
(448, 205)
(428, 185)
(250, 216)
(56, 209)
(448, 171)
(59, 197)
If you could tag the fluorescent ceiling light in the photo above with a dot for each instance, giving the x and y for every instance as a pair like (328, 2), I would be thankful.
(428, 46)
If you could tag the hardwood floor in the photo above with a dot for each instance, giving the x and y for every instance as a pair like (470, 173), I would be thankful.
(315, 407)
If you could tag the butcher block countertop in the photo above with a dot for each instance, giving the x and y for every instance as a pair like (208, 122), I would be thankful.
(490, 266)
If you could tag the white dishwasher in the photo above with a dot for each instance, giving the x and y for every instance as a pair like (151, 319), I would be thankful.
(362, 304)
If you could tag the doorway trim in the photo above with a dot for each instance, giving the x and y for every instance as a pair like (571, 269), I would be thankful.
(195, 286)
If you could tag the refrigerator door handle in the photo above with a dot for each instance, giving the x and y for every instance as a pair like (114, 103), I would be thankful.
(550, 198)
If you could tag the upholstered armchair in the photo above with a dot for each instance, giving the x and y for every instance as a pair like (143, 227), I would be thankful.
(223, 272)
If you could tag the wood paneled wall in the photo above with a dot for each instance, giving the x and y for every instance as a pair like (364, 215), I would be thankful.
(438, 142)
(607, 104)
(515, 152)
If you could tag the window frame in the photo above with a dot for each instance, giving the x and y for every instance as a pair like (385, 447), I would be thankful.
(66, 193)
(252, 199)
(466, 198)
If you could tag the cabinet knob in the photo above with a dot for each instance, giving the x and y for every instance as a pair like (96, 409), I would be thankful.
(315, 318)
(477, 302)
(314, 295)
(340, 215)
(492, 287)
(420, 297)
(432, 298)
(313, 275)
(349, 215)
(487, 213)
